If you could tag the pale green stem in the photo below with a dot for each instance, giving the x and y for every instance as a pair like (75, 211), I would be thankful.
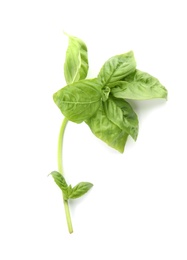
(60, 169)
(68, 216)
(60, 145)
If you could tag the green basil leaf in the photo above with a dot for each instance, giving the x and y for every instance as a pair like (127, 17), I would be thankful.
(79, 190)
(76, 62)
(69, 190)
(61, 182)
(107, 131)
(122, 114)
(139, 86)
(116, 68)
(80, 100)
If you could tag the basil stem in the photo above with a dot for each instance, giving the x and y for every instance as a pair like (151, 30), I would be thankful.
(60, 169)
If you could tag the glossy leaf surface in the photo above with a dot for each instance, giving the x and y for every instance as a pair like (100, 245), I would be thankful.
(80, 100)
(76, 62)
(103, 128)
(139, 86)
(116, 68)
(122, 114)
(79, 190)
(61, 182)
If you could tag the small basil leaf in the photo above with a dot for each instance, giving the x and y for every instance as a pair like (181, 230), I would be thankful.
(121, 113)
(139, 86)
(105, 93)
(79, 190)
(80, 100)
(107, 131)
(69, 190)
(116, 68)
(61, 182)
(76, 62)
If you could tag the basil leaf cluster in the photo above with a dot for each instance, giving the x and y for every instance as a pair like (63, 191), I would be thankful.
(102, 102)
(68, 192)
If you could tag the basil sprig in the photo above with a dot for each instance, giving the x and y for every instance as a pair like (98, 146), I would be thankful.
(103, 100)
(67, 190)
(102, 103)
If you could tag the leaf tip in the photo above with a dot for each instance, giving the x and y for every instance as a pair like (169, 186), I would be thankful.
(66, 34)
(91, 185)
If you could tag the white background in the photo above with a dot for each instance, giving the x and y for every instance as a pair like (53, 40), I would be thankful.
(137, 208)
